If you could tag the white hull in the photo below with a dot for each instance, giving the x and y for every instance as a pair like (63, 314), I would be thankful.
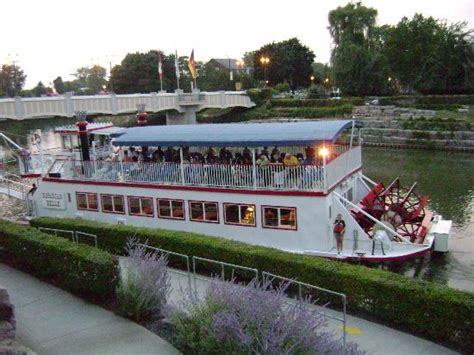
(312, 234)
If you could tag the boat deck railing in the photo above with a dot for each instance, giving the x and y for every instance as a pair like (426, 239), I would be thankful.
(236, 176)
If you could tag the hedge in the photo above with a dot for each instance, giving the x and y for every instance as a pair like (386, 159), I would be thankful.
(80, 269)
(433, 311)
(354, 101)
(313, 112)
(428, 100)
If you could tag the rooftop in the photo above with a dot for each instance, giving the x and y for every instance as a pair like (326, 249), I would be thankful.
(236, 134)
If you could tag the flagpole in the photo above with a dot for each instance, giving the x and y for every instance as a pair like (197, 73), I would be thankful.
(176, 64)
(160, 70)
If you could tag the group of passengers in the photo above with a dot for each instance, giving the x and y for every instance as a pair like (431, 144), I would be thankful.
(264, 157)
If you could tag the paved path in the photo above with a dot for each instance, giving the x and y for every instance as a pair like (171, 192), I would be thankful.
(371, 337)
(12, 193)
(52, 321)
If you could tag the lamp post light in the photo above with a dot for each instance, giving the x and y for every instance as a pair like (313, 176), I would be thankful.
(265, 61)
(240, 66)
(312, 80)
(110, 59)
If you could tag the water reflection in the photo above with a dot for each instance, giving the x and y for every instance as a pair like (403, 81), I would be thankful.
(448, 178)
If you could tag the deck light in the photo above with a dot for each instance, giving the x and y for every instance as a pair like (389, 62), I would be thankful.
(324, 152)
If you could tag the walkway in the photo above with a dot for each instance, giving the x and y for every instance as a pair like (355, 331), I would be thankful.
(52, 321)
(371, 337)
(12, 193)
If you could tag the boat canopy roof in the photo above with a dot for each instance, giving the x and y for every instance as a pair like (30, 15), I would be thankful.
(235, 134)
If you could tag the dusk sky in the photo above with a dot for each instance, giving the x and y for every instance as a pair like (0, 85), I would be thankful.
(52, 38)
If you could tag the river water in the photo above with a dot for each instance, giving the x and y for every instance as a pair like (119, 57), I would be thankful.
(448, 178)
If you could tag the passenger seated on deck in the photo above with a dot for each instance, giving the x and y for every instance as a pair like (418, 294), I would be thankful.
(126, 158)
(275, 153)
(290, 161)
(246, 154)
(210, 155)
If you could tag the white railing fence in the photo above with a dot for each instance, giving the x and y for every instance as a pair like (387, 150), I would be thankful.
(344, 164)
(270, 177)
(65, 105)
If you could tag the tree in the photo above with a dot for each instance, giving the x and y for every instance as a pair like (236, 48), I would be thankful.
(290, 62)
(138, 72)
(96, 78)
(12, 80)
(59, 85)
(429, 56)
(39, 90)
(360, 65)
(90, 80)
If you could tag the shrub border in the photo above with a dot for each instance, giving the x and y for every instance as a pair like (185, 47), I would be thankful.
(436, 312)
(80, 269)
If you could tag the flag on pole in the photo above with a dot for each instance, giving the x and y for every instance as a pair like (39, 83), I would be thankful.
(176, 64)
(192, 65)
(160, 68)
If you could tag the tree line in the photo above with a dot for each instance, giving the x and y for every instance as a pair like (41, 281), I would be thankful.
(418, 55)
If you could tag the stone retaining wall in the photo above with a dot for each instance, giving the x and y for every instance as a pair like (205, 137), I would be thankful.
(7, 316)
(389, 112)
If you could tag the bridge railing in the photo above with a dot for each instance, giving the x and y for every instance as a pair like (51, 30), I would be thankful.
(270, 177)
(65, 105)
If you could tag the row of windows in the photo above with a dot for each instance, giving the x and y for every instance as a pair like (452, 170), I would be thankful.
(199, 211)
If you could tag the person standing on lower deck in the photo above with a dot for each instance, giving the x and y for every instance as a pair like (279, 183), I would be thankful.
(339, 228)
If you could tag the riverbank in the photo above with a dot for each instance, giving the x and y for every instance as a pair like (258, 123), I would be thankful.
(434, 123)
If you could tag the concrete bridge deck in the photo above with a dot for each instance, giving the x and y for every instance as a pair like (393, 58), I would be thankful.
(181, 106)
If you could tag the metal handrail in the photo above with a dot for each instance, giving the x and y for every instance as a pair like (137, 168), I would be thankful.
(223, 265)
(266, 278)
(164, 251)
(93, 236)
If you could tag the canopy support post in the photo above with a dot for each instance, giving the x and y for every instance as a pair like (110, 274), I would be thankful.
(181, 167)
(325, 175)
(254, 170)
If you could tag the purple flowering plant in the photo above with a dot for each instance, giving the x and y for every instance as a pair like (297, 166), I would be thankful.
(144, 284)
(253, 319)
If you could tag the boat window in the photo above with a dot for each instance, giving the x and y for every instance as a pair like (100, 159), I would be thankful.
(239, 214)
(279, 217)
(204, 211)
(112, 204)
(140, 206)
(173, 209)
(87, 201)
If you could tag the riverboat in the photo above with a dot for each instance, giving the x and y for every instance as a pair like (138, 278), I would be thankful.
(310, 176)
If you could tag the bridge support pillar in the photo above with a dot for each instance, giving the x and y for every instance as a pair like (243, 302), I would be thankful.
(186, 117)
(19, 112)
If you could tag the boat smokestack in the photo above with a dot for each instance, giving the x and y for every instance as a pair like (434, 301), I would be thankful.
(141, 115)
(83, 138)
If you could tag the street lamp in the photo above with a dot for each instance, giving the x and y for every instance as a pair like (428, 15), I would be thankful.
(240, 66)
(312, 80)
(264, 61)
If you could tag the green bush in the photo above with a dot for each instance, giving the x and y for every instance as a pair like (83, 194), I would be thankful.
(433, 101)
(282, 87)
(260, 96)
(353, 101)
(433, 311)
(313, 112)
(79, 269)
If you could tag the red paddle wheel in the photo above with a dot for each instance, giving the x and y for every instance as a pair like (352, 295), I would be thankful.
(400, 206)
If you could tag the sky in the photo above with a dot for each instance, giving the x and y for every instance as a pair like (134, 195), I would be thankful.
(51, 38)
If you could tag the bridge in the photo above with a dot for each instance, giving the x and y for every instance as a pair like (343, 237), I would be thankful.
(180, 107)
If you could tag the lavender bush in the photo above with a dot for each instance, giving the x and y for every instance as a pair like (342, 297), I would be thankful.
(252, 319)
(144, 284)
